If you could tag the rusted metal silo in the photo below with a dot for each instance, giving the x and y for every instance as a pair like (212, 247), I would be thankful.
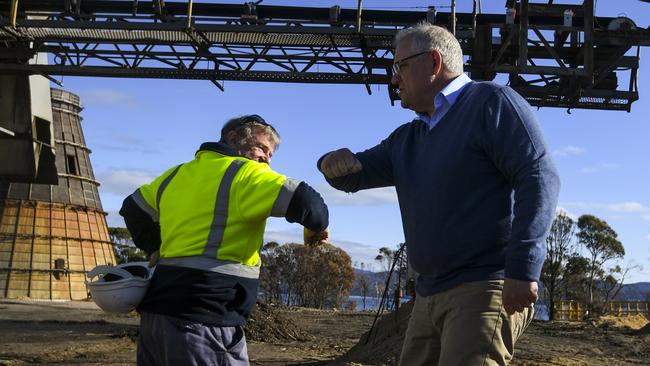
(51, 235)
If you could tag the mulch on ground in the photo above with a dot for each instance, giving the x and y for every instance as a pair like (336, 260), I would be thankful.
(383, 343)
(268, 323)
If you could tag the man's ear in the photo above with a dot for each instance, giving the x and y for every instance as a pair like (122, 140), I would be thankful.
(437, 62)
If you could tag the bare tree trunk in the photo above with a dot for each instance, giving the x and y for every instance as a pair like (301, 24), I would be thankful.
(551, 303)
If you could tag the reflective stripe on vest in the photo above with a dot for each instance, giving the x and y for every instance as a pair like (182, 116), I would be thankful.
(218, 238)
(207, 261)
(213, 265)
(284, 197)
(215, 237)
(142, 203)
(164, 185)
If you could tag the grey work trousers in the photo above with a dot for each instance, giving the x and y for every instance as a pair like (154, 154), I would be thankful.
(169, 341)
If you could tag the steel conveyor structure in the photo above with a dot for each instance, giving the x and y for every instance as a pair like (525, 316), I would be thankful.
(554, 55)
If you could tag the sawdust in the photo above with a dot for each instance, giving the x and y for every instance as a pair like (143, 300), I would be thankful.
(635, 322)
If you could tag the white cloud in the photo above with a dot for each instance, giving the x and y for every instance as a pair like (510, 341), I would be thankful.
(648, 237)
(598, 168)
(616, 207)
(126, 138)
(124, 142)
(114, 219)
(628, 207)
(609, 165)
(128, 147)
(569, 150)
(584, 205)
(109, 97)
(646, 217)
(123, 182)
(615, 218)
(369, 197)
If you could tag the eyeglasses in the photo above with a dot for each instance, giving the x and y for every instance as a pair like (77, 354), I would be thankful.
(253, 118)
(398, 64)
(256, 118)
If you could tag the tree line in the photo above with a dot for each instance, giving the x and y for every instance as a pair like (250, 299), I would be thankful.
(581, 263)
(125, 250)
(310, 276)
(291, 274)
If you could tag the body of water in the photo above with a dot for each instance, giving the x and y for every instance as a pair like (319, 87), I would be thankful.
(372, 303)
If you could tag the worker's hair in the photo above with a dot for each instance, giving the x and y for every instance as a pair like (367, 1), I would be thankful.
(245, 127)
(425, 36)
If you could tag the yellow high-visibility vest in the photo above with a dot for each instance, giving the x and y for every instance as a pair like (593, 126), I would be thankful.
(212, 211)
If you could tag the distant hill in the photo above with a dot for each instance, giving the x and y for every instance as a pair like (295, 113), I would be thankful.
(639, 291)
(376, 280)
(635, 291)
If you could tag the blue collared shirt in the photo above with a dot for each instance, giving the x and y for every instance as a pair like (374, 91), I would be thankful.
(445, 99)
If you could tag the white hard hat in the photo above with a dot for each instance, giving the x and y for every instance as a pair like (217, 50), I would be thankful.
(119, 289)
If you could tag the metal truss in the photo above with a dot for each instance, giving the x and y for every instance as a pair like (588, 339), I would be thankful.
(551, 59)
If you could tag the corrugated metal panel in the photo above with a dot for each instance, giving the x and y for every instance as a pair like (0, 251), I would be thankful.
(76, 193)
(72, 225)
(19, 191)
(17, 284)
(60, 192)
(41, 255)
(42, 223)
(6, 248)
(41, 192)
(3, 278)
(77, 287)
(58, 131)
(39, 286)
(9, 218)
(58, 222)
(26, 221)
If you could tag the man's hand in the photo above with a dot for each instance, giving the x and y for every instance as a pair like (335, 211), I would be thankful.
(315, 238)
(340, 163)
(154, 258)
(518, 295)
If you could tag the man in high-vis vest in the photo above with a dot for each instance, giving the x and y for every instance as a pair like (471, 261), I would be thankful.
(206, 218)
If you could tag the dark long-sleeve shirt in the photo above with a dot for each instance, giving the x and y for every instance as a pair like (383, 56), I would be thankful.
(477, 192)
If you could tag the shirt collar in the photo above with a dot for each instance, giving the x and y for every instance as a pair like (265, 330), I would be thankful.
(218, 147)
(448, 94)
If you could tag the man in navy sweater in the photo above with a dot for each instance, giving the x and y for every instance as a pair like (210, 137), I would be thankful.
(477, 192)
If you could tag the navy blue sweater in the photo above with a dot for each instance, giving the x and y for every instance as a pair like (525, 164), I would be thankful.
(477, 193)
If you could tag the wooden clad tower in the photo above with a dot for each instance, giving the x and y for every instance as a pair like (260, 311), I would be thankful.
(51, 235)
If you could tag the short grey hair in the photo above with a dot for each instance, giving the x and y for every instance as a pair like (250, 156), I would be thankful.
(245, 127)
(425, 36)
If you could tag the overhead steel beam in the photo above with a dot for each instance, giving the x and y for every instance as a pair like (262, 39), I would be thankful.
(252, 42)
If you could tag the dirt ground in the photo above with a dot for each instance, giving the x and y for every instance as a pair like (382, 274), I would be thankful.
(78, 333)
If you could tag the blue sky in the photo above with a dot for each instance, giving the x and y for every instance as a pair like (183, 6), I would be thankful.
(137, 128)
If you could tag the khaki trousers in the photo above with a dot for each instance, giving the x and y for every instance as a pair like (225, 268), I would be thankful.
(463, 326)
